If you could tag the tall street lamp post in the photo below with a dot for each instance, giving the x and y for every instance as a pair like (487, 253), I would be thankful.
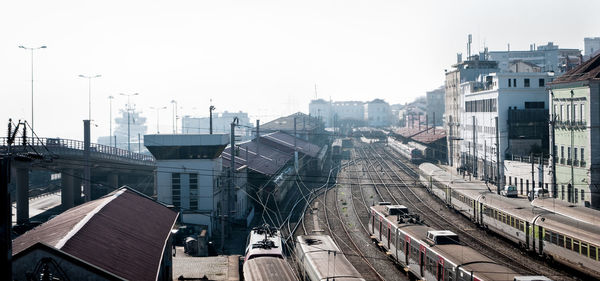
(174, 102)
(129, 118)
(110, 98)
(89, 78)
(32, 49)
(158, 117)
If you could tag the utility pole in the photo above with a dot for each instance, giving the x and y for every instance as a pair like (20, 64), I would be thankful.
(110, 98)
(87, 171)
(571, 122)
(553, 149)
(451, 142)
(257, 137)
(474, 148)
(32, 49)
(532, 178)
(498, 181)
(139, 143)
(210, 110)
(295, 150)
(230, 185)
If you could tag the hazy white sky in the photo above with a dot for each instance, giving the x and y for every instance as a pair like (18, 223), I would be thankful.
(263, 57)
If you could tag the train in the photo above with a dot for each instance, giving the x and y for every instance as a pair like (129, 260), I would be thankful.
(429, 254)
(319, 258)
(264, 258)
(412, 151)
(559, 238)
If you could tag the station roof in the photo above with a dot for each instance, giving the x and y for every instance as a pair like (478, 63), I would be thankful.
(261, 158)
(186, 146)
(303, 123)
(424, 135)
(589, 70)
(109, 233)
(286, 142)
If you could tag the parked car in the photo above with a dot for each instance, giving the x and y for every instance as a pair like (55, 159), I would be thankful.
(509, 191)
(539, 192)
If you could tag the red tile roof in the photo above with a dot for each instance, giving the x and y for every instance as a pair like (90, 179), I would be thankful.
(425, 136)
(589, 70)
(124, 233)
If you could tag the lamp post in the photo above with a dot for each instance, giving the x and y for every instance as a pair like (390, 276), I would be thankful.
(89, 78)
(110, 98)
(210, 109)
(158, 117)
(32, 49)
(128, 118)
(174, 102)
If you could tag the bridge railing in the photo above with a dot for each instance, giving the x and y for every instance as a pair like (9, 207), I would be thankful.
(58, 146)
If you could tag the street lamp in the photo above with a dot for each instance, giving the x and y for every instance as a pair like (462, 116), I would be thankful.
(174, 102)
(128, 118)
(32, 49)
(157, 117)
(89, 78)
(210, 109)
(110, 98)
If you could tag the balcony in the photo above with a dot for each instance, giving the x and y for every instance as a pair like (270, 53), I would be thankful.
(582, 163)
(575, 162)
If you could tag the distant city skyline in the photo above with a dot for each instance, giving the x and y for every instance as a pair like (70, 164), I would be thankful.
(260, 57)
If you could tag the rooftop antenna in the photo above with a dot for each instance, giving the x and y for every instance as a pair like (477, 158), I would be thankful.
(469, 46)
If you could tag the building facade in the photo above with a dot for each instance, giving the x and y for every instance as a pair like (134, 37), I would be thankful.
(575, 100)
(462, 72)
(500, 96)
(436, 106)
(378, 113)
(221, 124)
(548, 57)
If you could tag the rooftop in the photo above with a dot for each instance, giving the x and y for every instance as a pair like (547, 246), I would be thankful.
(303, 123)
(590, 70)
(109, 233)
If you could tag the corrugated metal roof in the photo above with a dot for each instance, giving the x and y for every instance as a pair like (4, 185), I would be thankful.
(423, 136)
(287, 141)
(589, 70)
(111, 233)
(268, 162)
(303, 123)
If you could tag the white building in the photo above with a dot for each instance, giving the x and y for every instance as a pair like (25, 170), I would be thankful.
(221, 124)
(494, 96)
(378, 113)
(188, 174)
(591, 46)
(549, 57)
(128, 124)
(322, 110)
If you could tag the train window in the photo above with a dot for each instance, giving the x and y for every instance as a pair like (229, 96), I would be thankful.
(568, 243)
(584, 249)
(561, 240)
(522, 225)
(554, 239)
(547, 235)
(575, 245)
(593, 252)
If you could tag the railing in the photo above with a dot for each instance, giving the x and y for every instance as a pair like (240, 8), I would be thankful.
(56, 146)
(569, 124)
(526, 158)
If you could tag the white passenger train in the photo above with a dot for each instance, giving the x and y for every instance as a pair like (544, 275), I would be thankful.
(433, 255)
(571, 242)
(319, 258)
(264, 259)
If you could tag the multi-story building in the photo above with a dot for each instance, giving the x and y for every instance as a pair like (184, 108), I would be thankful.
(351, 113)
(575, 100)
(436, 106)
(591, 45)
(221, 124)
(515, 99)
(549, 57)
(463, 71)
(378, 113)
(130, 128)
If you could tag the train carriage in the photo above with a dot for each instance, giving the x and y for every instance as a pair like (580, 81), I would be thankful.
(319, 258)
(555, 235)
(434, 255)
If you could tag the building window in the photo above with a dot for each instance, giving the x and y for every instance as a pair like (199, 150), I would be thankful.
(541, 82)
(534, 104)
(509, 83)
(575, 153)
(568, 113)
(193, 191)
(562, 192)
(574, 112)
(515, 83)
(581, 112)
(568, 153)
(562, 151)
(576, 195)
(582, 196)
(176, 189)
(526, 82)
(561, 112)
(582, 154)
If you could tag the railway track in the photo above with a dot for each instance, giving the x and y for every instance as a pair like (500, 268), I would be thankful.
(422, 204)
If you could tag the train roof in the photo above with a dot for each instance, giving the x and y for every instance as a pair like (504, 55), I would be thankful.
(458, 255)
(569, 210)
(580, 230)
(318, 251)
(256, 245)
(268, 269)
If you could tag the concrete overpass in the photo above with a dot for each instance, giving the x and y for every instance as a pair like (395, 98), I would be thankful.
(110, 168)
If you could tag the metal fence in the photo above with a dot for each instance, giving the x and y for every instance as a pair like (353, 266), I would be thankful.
(57, 147)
